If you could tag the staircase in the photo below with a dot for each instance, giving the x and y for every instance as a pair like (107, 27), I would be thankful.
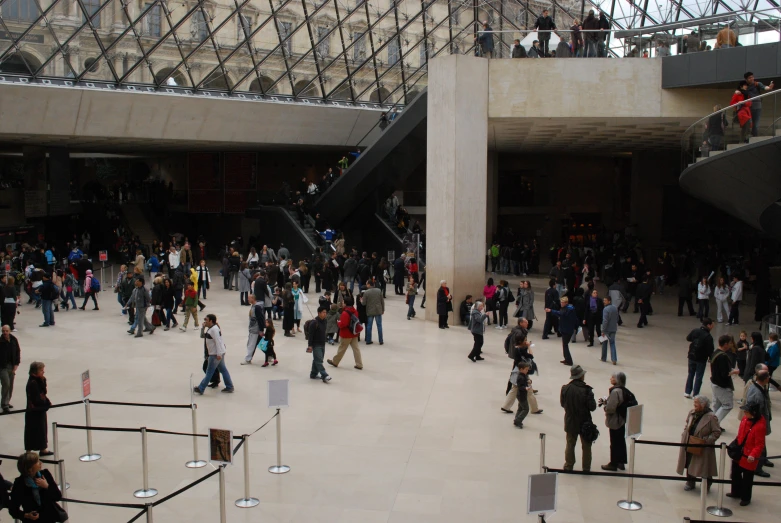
(733, 146)
(138, 223)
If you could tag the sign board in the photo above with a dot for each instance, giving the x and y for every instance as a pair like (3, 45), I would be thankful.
(221, 446)
(278, 392)
(543, 493)
(103, 256)
(634, 421)
(85, 385)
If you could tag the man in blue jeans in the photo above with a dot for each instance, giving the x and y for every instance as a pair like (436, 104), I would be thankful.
(215, 347)
(700, 350)
(375, 308)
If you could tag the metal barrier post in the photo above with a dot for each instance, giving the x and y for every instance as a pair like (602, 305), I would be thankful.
(542, 453)
(279, 468)
(149, 516)
(246, 501)
(222, 494)
(719, 509)
(195, 463)
(145, 492)
(629, 503)
(61, 467)
(703, 497)
(89, 456)
(58, 471)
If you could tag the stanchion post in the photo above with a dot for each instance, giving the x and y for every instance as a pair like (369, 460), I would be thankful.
(222, 494)
(719, 509)
(629, 503)
(61, 467)
(89, 456)
(279, 468)
(703, 497)
(145, 492)
(150, 518)
(247, 501)
(195, 463)
(542, 453)
(58, 470)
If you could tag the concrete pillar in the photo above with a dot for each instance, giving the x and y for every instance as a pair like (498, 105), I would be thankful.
(492, 217)
(456, 169)
(651, 171)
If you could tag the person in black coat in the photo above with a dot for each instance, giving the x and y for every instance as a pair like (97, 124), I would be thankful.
(444, 304)
(643, 300)
(398, 275)
(35, 422)
(289, 302)
(579, 303)
(35, 493)
(594, 315)
(551, 302)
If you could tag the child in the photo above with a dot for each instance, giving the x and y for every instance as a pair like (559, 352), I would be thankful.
(325, 299)
(190, 306)
(331, 327)
(773, 353)
(269, 337)
(523, 387)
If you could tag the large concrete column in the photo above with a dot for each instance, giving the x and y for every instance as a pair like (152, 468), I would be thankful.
(456, 186)
(492, 216)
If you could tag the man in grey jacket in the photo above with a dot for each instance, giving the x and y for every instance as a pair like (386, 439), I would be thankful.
(140, 300)
(609, 329)
(350, 270)
(375, 308)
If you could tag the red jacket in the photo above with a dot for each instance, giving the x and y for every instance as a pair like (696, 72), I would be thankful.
(755, 442)
(744, 111)
(344, 322)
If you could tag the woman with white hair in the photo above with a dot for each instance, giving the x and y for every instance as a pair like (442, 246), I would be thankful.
(444, 304)
(702, 427)
(615, 421)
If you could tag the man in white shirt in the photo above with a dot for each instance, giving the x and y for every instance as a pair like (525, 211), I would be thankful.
(215, 349)
(736, 295)
(173, 259)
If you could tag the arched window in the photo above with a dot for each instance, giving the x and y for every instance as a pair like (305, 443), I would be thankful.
(20, 63)
(265, 83)
(177, 79)
(216, 80)
(379, 95)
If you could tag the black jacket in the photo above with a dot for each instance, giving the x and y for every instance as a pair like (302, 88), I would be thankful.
(720, 367)
(10, 353)
(167, 297)
(552, 299)
(545, 23)
(578, 402)
(685, 287)
(23, 502)
(701, 345)
(317, 332)
(643, 292)
(443, 304)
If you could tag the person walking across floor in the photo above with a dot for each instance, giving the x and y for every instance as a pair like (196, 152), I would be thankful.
(349, 329)
(552, 302)
(503, 298)
(615, 421)
(256, 327)
(721, 370)
(701, 428)
(10, 359)
(140, 300)
(477, 320)
(444, 304)
(609, 329)
(91, 289)
(643, 301)
(412, 291)
(523, 386)
(317, 337)
(36, 425)
(751, 440)
(268, 338)
(568, 323)
(578, 402)
(700, 350)
(375, 308)
(215, 346)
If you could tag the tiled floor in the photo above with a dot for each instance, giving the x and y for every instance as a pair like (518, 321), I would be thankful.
(417, 436)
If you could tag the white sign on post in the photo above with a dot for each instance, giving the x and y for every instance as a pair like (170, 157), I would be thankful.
(634, 421)
(543, 493)
(278, 393)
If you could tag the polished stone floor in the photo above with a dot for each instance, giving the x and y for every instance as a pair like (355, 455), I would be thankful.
(417, 436)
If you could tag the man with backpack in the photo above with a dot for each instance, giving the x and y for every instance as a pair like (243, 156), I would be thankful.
(349, 329)
(315, 332)
(700, 350)
(616, 403)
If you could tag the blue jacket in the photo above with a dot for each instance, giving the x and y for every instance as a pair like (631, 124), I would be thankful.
(773, 355)
(154, 264)
(568, 319)
(49, 257)
(75, 255)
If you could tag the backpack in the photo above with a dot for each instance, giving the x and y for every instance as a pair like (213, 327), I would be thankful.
(95, 285)
(629, 401)
(510, 297)
(356, 327)
(307, 326)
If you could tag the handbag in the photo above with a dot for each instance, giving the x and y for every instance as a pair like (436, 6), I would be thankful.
(589, 432)
(156, 319)
(263, 344)
(735, 449)
(694, 440)
(407, 300)
(59, 513)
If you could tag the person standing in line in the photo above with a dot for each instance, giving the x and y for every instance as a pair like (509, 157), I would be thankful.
(412, 291)
(757, 392)
(751, 434)
(568, 324)
(477, 321)
(615, 422)
(736, 295)
(317, 337)
(578, 402)
(609, 329)
(754, 90)
(35, 491)
(375, 308)
(212, 340)
(36, 426)
(545, 26)
(347, 335)
(773, 353)
(700, 350)
(701, 428)
(10, 359)
(721, 378)
(721, 294)
(140, 300)
(90, 291)
(256, 327)
(703, 299)
(444, 304)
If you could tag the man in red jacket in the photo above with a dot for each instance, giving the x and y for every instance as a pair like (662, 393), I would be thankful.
(347, 336)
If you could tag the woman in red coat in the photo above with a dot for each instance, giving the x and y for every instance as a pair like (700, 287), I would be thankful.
(751, 434)
(743, 110)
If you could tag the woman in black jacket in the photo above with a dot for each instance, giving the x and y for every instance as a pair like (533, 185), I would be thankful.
(35, 423)
(167, 304)
(444, 304)
(35, 494)
(289, 303)
(756, 354)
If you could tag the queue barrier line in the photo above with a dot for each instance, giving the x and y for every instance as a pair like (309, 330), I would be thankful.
(104, 503)
(49, 461)
(154, 405)
(671, 444)
(653, 476)
(186, 487)
(134, 518)
(99, 429)
(15, 411)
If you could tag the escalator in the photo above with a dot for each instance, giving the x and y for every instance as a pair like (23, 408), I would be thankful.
(352, 202)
